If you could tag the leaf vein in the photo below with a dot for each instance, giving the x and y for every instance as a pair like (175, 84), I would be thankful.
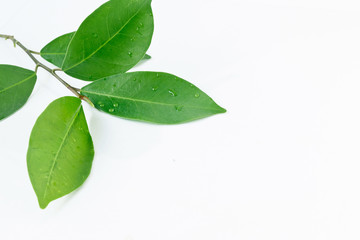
(144, 101)
(18, 83)
(76, 114)
(104, 44)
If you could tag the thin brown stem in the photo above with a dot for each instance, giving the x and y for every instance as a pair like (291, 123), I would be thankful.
(39, 64)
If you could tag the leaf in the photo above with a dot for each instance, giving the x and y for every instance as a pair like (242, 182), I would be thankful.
(54, 52)
(60, 151)
(16, 86)
(151, 96)
(112, 40)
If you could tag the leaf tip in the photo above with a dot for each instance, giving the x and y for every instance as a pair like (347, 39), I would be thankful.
(222, 110)
(43, 203)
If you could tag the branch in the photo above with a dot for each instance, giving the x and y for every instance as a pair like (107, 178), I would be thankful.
(51, 71)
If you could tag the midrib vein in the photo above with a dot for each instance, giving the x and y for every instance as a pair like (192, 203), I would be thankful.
(53, 53)
(60, 148)
(143, 101)
(104, 44)
(18, 83)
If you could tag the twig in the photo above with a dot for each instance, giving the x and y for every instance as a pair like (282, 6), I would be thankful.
(39, 64)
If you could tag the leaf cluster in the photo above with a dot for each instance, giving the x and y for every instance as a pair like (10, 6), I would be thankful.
(108, 43)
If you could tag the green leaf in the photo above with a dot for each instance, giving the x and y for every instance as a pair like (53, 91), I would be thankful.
(112, 40)
(151, 96)
(16, 86)
(60, 151)
(54, 52)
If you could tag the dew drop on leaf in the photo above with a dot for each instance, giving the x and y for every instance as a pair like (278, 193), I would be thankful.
(115, 104)
(178, 108)
(197, 95)
(130, 54)
(172, 92)
(155, 89)
(111, 110)
(101, 104)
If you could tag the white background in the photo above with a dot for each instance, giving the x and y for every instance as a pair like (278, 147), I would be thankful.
(283, 163)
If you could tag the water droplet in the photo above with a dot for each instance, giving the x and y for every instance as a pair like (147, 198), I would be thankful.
(95, 35)
(111, 110)
(197, 95)
(101, 104)
(130, 54)
(157, 75)
(132, 39)
(137, 29)
(134, 79)
(115, 104)
(178, 108)
(155, 89)
(141, 24)
(172, 92)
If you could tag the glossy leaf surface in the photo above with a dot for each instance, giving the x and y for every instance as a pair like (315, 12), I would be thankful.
(151, 96)
(60, 150)
(16, 86)
(113, 39)
(54, 52)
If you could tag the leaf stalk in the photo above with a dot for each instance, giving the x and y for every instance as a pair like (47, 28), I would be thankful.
(30, 53)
